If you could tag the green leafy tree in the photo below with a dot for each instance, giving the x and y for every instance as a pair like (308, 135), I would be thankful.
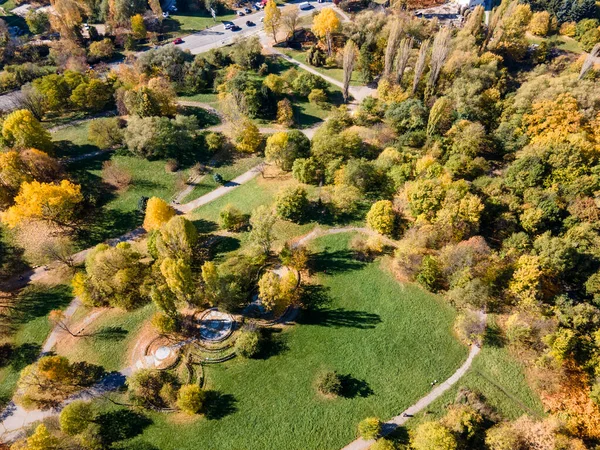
(284, 148)
(177, 239)
(76, 417)
(429, 274)
(248, 343)
(178, 276)
(292, 203)
(232, 219)
(262, 221)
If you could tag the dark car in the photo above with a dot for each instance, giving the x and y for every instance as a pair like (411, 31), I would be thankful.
(178, 41)
(249, 23)
(235, 28)
(247, 10)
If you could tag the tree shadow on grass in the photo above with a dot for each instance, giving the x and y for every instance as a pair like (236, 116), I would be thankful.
(225, 244)
(38, 301)
(205, 226)
(219, 405)
(493, 336)
(340, 318)
(353, 387)
(398, 435)
(120, 425)
(18, 357)
(335, 261)
(205, 117)
(110, 334)
(273, 344)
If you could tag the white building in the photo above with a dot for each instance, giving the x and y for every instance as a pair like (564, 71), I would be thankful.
(470, 3)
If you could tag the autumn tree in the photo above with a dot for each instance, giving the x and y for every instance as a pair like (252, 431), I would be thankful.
(190, 399)
(324, 25)
(432, 435)
(292, 203)
(178, 276)
(249, 139)
(114, 276)
(42, 439)
(76, 417)
(284, 148)
(22, 130)
(277, 293)
(369, 428)
(262, 221)
(55, 203)
(382, 217)
(285, 113)
(50, 380)
(272, 18)
(138, 28)
(176, 239)
(290, 15)
(350, 52)
(158, 212)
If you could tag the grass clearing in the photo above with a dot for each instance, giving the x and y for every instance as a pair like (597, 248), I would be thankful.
(184, 23)
(73, 140)
(31, 328)
(389, 339)
(334, 72)
(228, 169)
(112, 335)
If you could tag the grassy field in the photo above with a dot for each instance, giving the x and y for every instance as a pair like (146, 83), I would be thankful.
(111, 336)
(495, 374)
(118, 211)
(335, 73)
(228, 169)
(191, 22)
(562, 42)
(30, 329)
(73, 141)
(388, 340)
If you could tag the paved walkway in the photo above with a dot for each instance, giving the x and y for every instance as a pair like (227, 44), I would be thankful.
(424, 402)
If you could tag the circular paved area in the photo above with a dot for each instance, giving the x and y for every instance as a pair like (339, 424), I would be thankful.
(215, 326)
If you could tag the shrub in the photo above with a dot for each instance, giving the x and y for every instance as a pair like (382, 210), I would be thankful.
(103, 49)
(585, 25)
(329, 383)
(115, 176)
(469, 327)
(306, 170)
(382, 217)
(432, 435)
(152, 388)
(383, 444)
(232, 219)
(369, 428)
(292, 203)
(248, 344)
(190, 399)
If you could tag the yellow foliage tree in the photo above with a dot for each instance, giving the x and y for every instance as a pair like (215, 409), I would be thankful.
(553, 120)
(540, 23)
(54, 203)
(249, 140)
(325, 24)
(158, 212)
(21, 129)
(272, 19)
(526, 282)
(138, 27)
(381, 217)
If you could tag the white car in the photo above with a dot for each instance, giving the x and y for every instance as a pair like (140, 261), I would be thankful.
(165, 14)
(240, 13)
(228, 25)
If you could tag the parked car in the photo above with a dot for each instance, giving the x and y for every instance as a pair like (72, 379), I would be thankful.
(178, 41)
(247, 10)
(304, 6)
(249, 23)
(235, 28)
(165, 14)
(228, 25)
(240, 13)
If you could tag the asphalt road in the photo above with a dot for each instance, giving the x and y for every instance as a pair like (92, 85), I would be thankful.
(218, 36)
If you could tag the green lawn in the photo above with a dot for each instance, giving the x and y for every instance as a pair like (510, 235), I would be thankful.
(565, 43)
(389, 340)
(73, 141)
(498, 376)
(335, 73)
(228, 169)
(112, 335)
(118, 211)
(185, 23)
(31, 327)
